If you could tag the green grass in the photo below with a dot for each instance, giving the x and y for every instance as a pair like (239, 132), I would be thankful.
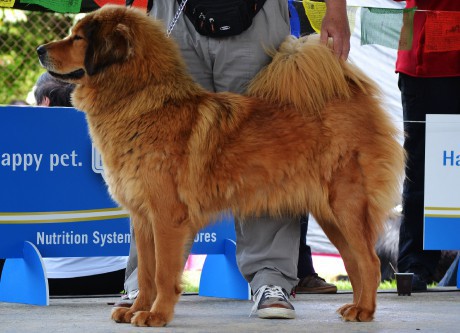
(346, 285)
(387, 285)
(191, 282)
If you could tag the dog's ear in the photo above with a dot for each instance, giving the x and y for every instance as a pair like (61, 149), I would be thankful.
(106, 47)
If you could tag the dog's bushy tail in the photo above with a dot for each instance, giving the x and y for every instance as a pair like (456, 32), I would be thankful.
(308, 75)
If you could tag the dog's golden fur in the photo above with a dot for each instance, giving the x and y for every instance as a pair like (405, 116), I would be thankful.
(310, 135)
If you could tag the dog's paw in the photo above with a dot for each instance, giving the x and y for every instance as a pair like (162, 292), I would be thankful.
(122, 315)
(352, 312)
(146, 318)
(344, 308)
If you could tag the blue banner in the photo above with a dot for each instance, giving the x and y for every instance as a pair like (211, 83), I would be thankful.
(442, 233)
(49, 193)
(442, 181)
(53, 194)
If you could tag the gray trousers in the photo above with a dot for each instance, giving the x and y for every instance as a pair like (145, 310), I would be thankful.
(267, 248)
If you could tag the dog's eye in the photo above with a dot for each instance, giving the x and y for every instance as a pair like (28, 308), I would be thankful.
(77, 37)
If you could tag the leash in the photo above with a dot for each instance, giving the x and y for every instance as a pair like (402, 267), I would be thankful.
(175, 18)
(129, 3)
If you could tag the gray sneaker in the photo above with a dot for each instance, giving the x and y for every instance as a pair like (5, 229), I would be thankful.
(272, 302)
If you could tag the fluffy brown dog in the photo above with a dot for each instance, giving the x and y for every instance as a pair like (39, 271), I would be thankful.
(310, 136)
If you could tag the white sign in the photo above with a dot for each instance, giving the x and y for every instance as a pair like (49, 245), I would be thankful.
(442, 182)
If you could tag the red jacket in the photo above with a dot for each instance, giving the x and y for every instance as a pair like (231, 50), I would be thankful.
(418, 61)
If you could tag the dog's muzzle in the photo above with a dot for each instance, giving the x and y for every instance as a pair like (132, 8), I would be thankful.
(44, 61)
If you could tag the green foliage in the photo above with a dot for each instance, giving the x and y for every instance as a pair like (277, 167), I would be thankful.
(20, 35)
(346, 285)
(191, 281)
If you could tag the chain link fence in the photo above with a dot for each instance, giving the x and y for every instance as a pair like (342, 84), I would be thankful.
(20, 34)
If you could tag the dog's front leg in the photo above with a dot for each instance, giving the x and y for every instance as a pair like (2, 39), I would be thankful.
(145, 246)
(171, 229)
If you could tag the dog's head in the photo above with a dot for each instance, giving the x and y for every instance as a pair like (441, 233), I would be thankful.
(99, 40)
(115, 52)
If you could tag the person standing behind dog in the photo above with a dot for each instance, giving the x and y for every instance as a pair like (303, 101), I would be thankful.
(267, 249)
(429, 84)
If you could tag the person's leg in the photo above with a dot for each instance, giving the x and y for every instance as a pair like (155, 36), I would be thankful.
(227, 65)
(267, 248)
(131, 285)
(309, 281)
(267, 255)
(234, 61)
(305, 266)
(420, 96)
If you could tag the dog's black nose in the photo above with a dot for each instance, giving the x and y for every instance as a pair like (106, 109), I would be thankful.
(41, 50)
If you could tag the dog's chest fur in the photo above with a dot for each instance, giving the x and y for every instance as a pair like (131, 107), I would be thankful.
(140, 145)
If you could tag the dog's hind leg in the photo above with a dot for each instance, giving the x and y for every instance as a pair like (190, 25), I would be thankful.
(146, 271)
(352, 265)
(338, 240)
(366, 280)
(350, 205)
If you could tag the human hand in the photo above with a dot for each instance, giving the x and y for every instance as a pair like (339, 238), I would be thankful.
(335, 25)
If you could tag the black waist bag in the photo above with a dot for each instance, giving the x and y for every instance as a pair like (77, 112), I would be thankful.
(221, 18)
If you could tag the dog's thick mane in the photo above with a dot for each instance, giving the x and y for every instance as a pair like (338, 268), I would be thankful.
(155, 76)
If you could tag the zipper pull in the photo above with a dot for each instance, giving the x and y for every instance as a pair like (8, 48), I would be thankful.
(211, 21)
(202, 18)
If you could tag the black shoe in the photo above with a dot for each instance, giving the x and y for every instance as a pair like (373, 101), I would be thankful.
(314, 284)
(421, 277)
(419, 282)
(272, 302)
